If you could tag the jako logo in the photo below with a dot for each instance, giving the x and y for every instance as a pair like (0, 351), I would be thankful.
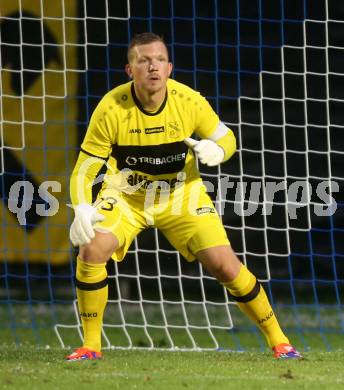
(134, 131)
(88, 315)
(266, 318)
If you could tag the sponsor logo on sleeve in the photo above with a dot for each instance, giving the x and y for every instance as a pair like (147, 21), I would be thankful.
(205, 210)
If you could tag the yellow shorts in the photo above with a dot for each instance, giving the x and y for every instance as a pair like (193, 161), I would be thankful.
(187, 218)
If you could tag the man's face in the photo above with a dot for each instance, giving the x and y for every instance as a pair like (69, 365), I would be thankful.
(149, 67)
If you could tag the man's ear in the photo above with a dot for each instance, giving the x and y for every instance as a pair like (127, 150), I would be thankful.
(170, 66)
(128, 70)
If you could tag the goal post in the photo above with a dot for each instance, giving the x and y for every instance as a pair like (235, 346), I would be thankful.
(272, 70)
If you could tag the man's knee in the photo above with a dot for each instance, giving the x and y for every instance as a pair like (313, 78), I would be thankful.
(221, 262)
(100, 249)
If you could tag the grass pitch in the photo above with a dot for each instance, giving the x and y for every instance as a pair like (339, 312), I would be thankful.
(31, 356)
(27, 367)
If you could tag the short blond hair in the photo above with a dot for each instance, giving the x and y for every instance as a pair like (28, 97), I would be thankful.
(143, 39)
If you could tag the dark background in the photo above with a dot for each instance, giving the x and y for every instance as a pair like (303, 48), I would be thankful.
(274, 72)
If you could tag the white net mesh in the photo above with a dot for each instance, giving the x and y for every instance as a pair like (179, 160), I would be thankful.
(273, 71)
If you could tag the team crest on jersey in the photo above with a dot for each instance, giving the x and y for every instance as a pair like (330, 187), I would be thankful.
(153, 130)
(174, 129)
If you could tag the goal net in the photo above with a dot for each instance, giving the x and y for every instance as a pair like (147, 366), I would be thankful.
(273, 71)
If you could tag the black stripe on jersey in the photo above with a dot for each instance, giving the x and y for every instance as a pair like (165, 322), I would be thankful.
(93, 155)
(140, 107)
(151, 159)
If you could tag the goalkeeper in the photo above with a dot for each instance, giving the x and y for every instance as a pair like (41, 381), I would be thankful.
(142, 131)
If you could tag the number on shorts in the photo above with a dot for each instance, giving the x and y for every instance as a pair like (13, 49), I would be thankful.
(110, 203)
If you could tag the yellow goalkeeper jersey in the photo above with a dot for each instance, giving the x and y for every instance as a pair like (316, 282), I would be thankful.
(150, 145)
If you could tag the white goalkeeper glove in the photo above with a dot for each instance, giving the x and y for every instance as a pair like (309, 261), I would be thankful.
(208, 152)
(81, 231)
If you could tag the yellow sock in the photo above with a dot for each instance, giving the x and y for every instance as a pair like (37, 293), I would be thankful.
(92, 293)
(252, 300)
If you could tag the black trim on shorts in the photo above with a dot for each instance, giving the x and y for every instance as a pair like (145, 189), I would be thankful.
(91, 286)
(251, 295)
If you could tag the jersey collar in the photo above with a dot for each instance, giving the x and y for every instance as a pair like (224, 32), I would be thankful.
(139, 105)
